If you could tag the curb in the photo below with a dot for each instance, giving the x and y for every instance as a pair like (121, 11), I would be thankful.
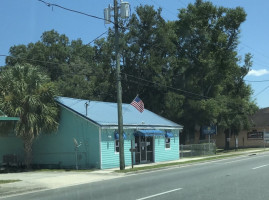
(197, 162)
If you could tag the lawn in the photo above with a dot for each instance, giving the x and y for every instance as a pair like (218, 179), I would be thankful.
(8, 181)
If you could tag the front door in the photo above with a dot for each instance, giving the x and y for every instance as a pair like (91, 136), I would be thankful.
(144, 149)
(143, 145)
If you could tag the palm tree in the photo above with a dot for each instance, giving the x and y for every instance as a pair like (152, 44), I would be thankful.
(27, 93)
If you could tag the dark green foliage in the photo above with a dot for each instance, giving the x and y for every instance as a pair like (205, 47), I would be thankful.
(187, 70)
(27, 93)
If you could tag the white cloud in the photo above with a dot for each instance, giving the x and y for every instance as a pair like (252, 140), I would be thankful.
(259, 72)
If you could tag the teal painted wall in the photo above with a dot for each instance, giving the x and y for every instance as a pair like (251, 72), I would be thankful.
(110, 159)
(58, 149)
(10, 144)
(163, 154)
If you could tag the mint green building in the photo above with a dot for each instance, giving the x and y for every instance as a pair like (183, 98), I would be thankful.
(11, 147)
(87, 137)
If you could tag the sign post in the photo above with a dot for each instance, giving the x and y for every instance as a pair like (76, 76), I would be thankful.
(132, 154)
(209, 130)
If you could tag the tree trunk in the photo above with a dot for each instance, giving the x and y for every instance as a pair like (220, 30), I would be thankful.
(28, 141)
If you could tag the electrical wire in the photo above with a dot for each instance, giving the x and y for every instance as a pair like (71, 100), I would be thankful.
(154, 86)
(261, 81)
(138, 78)
(49, 62)
(163, 7)
(261, 91)
(79, 12)
(240, 42)
(254, 50)
(75, 11)
(97, 37)
(100, 18)
(82, 13)
(169, 87)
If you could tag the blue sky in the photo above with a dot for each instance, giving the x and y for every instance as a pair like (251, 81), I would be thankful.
(23, 21)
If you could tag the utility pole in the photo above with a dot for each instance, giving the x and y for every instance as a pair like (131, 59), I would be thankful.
(125, 13)
(119, 91)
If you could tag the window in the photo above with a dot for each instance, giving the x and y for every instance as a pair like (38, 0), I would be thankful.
(167, 143)
(117, 145)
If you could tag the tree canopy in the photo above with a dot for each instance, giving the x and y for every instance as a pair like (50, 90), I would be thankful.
(187, 70)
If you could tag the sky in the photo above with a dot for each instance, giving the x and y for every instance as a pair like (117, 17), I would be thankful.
(23, 21)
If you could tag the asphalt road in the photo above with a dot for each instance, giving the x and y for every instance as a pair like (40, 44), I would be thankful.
(245, 178)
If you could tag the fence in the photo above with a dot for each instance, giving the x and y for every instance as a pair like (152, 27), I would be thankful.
(197, 150)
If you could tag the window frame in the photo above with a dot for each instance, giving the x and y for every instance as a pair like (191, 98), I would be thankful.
(167, 142)
(117, 146)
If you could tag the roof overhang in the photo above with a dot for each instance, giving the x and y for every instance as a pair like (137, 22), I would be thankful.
(9, 118)
(149, 127)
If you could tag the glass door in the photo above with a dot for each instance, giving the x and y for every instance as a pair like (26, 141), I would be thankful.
(149, 149)
(137, 150)
(143, 150)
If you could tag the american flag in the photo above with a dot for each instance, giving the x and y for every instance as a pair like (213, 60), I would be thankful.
(138, 104)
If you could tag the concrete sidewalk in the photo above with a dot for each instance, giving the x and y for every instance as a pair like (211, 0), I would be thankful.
(34, 181)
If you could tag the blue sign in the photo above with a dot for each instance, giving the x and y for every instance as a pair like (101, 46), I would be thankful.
(209, 130)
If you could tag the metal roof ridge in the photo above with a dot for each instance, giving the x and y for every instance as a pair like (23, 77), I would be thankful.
(108, 102)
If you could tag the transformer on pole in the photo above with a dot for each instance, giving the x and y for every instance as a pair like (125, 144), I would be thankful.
(124, 11)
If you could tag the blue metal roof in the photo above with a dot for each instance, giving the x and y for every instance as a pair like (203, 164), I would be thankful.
(106, 114)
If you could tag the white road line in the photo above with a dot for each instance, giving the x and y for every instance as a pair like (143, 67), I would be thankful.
(260, 166)
(159, 194)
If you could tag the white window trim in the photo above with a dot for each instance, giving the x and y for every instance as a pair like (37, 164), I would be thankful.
(115, 146)
(166, 143)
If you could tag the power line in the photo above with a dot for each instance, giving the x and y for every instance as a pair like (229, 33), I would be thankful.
(29, 59)
(100, 18)
(169, 87)
(97, 37)
(49, 62)
(182, 3)
(154, 86)
(138, 78)
(261, 81)
(261, 91)
(254, 50)
(75, 11)
(163, 7)
(260, 64)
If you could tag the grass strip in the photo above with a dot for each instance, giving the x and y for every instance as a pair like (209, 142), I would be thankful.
(8, 181)
(177, 163)
(63, 170)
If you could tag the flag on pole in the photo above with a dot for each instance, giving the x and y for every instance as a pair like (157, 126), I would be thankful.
(138, 104)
